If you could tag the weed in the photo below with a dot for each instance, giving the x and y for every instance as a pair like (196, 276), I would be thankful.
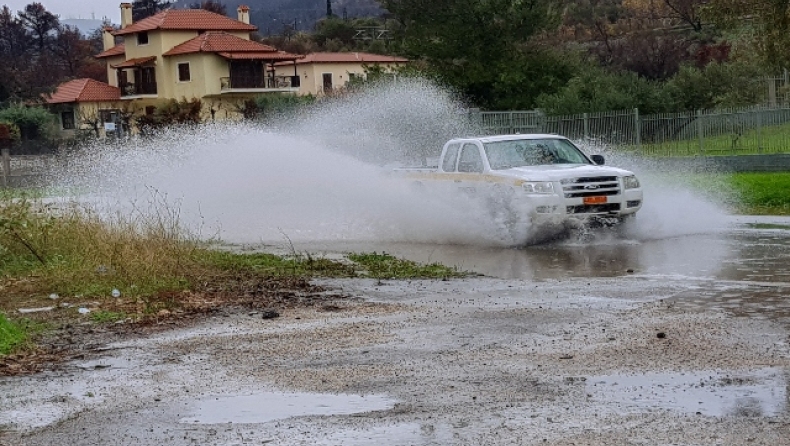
(102, 316)
(12, 335)
(385, 266)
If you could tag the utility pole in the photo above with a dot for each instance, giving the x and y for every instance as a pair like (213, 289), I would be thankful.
(329, 8)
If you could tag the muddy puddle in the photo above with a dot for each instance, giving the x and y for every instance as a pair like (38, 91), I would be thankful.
(760, 393)
(270, 406)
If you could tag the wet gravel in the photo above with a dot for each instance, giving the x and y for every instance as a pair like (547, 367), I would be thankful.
(469, 361)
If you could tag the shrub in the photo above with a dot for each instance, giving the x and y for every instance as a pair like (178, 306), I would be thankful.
(597, 90)
(717, 85)
(172, 112)
(275, 106)
(33, 122)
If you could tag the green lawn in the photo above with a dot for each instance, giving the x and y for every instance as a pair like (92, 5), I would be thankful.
(762, 192)
(750, 193)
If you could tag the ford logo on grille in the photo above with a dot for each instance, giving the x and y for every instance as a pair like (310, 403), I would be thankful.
(591, 186)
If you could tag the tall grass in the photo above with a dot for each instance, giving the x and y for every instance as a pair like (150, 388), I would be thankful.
(12, 335)
(72, 249)
(82, 256)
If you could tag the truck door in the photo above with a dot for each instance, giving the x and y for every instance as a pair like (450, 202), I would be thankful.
(450, 158)
(470, 168)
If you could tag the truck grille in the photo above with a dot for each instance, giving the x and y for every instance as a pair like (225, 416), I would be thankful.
(590, 187)
(593, 208)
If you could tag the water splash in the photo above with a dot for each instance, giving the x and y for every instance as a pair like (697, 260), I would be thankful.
(326, 175)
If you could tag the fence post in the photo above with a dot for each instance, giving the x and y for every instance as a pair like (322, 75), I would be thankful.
(586, 128)
(512, 127)
(760, 131)
(637, 130)
(5, 159)
(700, 133)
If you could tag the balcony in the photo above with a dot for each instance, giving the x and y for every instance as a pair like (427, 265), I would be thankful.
(137, 88)
(245, 84)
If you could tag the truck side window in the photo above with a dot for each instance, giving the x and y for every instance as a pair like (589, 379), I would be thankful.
(470, 160)
(450, 156)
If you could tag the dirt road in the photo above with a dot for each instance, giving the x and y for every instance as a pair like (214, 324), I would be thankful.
(580, 361)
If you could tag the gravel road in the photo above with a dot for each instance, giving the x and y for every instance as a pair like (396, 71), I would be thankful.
(582, 361)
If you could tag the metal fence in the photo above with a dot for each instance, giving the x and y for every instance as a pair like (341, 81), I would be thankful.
(751, 130)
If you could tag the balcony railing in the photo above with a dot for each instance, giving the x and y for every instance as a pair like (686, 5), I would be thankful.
(257, 82)
(135, 89)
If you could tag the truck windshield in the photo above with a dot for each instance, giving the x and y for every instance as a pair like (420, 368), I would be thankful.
(532, 152)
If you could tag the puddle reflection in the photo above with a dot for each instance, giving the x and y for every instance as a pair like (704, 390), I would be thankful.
(268, 406)
(762, 393)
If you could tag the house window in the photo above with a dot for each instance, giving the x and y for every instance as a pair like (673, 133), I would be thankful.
(108, 115)
(67, 119)
(142, 38)
(183, 72)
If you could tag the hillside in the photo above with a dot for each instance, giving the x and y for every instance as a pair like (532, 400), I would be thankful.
(273, 16)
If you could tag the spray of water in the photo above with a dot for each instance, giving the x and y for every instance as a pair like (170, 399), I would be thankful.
(326, 175)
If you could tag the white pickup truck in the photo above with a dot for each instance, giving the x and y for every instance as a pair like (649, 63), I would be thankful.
(545, 178)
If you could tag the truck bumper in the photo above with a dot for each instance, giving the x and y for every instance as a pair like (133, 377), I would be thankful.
(553, 210)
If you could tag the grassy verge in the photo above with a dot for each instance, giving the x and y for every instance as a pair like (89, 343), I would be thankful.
(749, 193)
(65, 265)
(762, 193)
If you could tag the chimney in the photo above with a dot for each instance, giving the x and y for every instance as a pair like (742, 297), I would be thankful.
(244, 14)
(108, 40)
(126, 15)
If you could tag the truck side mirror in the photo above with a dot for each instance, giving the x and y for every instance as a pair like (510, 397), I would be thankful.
(598, 159)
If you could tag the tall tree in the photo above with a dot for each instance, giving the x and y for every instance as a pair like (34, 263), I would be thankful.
(15, 46)
(146, 8)
(769, 21)
(41, 24)
(70, 50)
(214, 6)
(688, 11)
(472, 44)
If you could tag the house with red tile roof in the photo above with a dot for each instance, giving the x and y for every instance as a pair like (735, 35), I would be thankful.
(181, 54)
(323, 73)
(85, 104)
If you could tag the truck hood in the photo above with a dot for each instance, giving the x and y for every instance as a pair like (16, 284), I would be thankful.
(556, 172)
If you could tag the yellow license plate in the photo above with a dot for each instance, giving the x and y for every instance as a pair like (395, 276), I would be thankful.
(594, 200)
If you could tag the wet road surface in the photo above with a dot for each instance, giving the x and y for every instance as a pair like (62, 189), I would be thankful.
(680, 340)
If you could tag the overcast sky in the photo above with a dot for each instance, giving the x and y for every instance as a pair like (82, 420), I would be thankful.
(74, 9)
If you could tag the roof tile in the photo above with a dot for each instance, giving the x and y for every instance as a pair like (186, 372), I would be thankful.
(350, 58)
(137, 62)
(214, 42)
(230, 47)
(84, 90)
(187, 19)
(251, 55)
(117, 50)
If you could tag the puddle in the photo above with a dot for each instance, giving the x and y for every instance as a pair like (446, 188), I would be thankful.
(268, 406)
(114, 363)
(762, 393)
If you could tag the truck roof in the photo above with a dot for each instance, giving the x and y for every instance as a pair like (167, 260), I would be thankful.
(494, 138)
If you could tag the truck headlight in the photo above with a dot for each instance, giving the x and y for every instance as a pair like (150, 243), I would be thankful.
(538, 187)
(630, 182)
